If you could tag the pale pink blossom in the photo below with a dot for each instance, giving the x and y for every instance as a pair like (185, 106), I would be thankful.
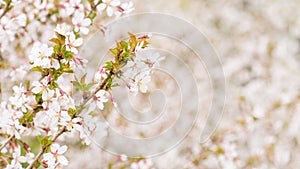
(40, 56)
(63, 29)
(73, 5)
(18, 159)
(99, 98)
(124, 8)
(41, 87)
(20, 99)
(100, 75)
(72, 43)
(55, 157)
(109, 6)
(81, 23)
(139, 82)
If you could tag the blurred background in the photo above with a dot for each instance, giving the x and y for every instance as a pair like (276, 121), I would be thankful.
(258, 45)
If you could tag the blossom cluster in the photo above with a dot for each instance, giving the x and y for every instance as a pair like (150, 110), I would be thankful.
(41, 107)
(258, 45)
(23, 24)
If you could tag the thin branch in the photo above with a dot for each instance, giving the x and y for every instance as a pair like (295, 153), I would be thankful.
(102, 86)
(4, 159)
(6, 142)
(81, 107)
(62, 130)
(6, 9)
(36, 158)
(94, 8)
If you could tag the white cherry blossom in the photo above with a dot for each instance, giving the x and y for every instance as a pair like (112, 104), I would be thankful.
(139, 82)
(18, 159)
(152, 59)
(63, 29)
(109, 6)
(72, 43)
(98, 99)
(124, 8)
(73, 5)
(20, 99)
(81, 23)
(55, 156)
(142, 164)
(41, 87)
(100, 75)
(41, 56)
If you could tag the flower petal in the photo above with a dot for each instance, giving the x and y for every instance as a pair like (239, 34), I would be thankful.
(62, 149)
(109, 11)
(62, 160)
(101, 7)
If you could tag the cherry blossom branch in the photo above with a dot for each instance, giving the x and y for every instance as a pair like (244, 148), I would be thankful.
(101, 87)
(6, 142)
(105, 85)
(94, 8)
(36, 158)
(6, 9)
(62, 130)
(4, 160)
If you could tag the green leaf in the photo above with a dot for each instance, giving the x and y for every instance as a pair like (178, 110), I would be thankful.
(55, 40)
(76, 85)
(90, 85)
(93, 15)
(38, 98)
(36, 69)
(71, 112)
(56, 48)
(39, 138)
(61, 38)
(68, 55)
(54, 11)
(131, 56)
(37, 164)
(55, 85)
(109, 65)
(124, 45)
(114, 51)
(68, 70)
(28, 117)
(44, 141)
(132, 37)
(82, 80)
(115, 85)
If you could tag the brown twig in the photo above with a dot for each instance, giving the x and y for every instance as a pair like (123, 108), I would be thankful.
(81, 107)
(101, 87)
(62, 130)
(6, 9)
(93, 8)
(6, 142)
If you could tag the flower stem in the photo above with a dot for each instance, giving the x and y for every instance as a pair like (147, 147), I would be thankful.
(101, 87)
(6, 142)
(62, 130)
(6, 9)
(93, 8)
